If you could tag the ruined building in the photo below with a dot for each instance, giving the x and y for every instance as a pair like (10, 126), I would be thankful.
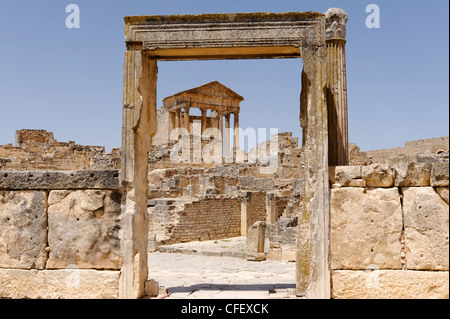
(338, 213)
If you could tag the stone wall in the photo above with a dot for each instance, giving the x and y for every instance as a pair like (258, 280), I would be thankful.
(60, 234)
(417, 150)
(38, 150)
(390, 231)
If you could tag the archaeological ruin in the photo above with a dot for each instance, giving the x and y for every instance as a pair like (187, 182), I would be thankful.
(78, 222)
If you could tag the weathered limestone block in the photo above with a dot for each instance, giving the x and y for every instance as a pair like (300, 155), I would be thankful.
(365, 228)
(443, 192)
(390, 284)
(64, 283)
(439, 174)
(426, 229)
(255, 241)
(344, 175)
(84, 229)
(412, 174)
(378, 175)
(23, 223)
(78, 179)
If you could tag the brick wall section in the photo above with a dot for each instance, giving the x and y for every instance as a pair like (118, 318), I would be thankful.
(258, 207)
(215, 218)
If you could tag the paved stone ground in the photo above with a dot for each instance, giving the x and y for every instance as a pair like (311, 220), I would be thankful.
(201, 270)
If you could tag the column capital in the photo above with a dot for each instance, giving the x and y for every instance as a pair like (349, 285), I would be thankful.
(336, 19)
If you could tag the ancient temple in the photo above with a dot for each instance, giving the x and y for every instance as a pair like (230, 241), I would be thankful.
(216, 103)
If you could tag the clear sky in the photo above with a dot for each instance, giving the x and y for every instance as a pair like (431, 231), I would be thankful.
(69, 81)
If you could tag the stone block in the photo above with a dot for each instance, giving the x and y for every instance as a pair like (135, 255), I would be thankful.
(426, 217)
(48, 180)
(56, 284)
(412, 174)
(440, 174)
(23, 222)
(255, 241)
(365, 228)
(358, 182)
(344, 175)
(443, 192)
(378, 175)
(84, 229)
(151, 288)
(390, 284)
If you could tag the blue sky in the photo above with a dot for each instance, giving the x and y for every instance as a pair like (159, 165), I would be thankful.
(69, 81)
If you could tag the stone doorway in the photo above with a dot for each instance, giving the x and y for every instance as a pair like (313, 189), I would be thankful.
(304, 35)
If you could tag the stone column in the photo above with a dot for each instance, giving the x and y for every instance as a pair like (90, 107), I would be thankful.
(171, 121)
(336, 87)
(220, 127)
(227, 135)
(203, 120)
(177, 118)
(138, 128)
(186, 119)
(236, 131)
(271, 208)
(245, 213)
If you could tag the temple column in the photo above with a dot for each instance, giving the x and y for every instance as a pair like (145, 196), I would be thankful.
(336, 87)
(236, 130)
(177, 118)
(186, 119)
(220, 126)
(203, 120)
(227, 135)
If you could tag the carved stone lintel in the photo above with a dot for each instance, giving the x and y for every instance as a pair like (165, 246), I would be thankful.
(336, 20)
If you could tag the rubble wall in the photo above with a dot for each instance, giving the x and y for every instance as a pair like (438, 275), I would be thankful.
(390, 231)
(59, 234)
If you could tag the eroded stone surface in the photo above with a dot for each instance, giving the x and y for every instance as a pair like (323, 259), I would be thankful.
(23, 231)
(412, 174)
(83, 229)
(365, 228)
(378, 175)
(426, 229)
(390, 284)
(55, 284)
(440, 174)
(47, 180)
(344, 175)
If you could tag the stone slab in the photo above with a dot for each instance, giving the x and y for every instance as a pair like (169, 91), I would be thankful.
(378, 175)
(84, 229)
(412, 174)
(23, 222)
(365, 228)
(390, 284)
(344, 175)
(56, 284)
(426, 229)
(440, 174)
(51, 180)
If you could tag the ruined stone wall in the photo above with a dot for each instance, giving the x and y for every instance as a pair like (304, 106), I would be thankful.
(412, 151)
(59, 234)
(38, 150)
(390, 231)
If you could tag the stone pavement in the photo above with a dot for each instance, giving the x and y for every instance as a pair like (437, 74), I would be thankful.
(205, 270)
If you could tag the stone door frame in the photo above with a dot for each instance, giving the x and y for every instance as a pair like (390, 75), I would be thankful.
(226, 36)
